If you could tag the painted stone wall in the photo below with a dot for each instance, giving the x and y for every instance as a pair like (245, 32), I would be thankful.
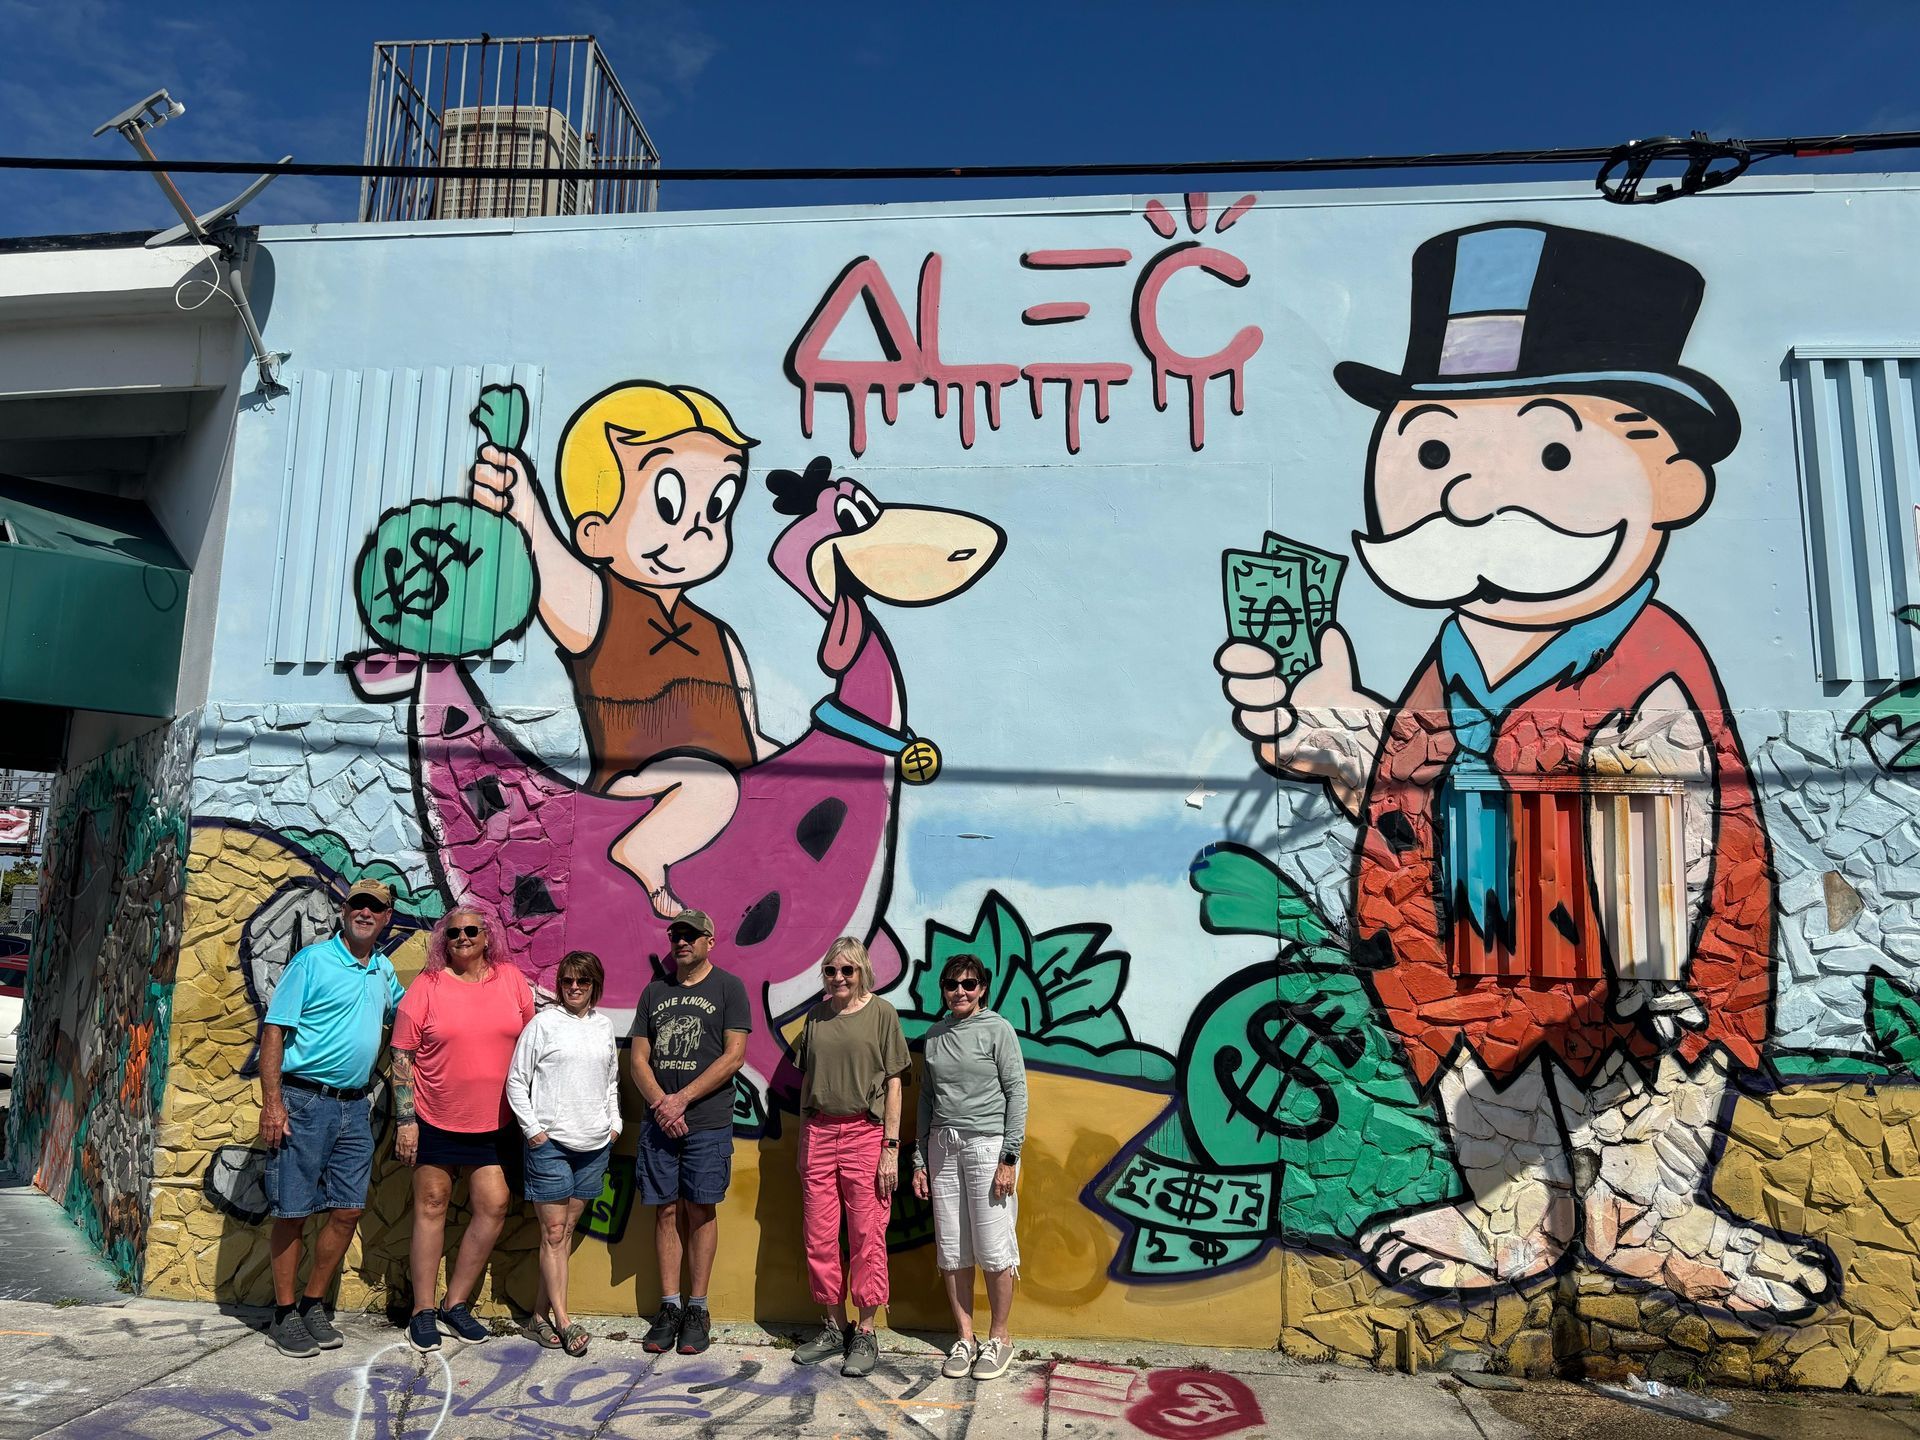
(93, 1061)
(1355, 686)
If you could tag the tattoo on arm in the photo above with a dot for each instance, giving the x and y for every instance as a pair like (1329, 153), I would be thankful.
(403, 1086)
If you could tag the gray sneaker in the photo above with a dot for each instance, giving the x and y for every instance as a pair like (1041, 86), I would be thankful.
(320, 1326)
(830, 1342)
(291, 1337)
(994, 1358)
(960, 1359)
(863, 1353)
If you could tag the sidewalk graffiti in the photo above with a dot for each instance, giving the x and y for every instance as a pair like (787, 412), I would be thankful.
(1167, 1404)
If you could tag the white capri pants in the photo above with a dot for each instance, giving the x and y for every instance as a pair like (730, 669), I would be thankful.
(970, 1227)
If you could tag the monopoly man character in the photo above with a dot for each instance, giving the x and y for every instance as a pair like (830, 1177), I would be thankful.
(1529, 463)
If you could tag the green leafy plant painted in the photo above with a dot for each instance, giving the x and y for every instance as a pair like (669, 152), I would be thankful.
(1060, 990)
(1893, 1021)
(1897, 710)
(1294, 1115)
(330, 852)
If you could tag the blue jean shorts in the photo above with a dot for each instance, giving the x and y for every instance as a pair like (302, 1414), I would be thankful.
(326, 1159)
(555, 1173)
(697, 1167)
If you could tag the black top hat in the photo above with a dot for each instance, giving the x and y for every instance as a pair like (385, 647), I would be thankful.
(1523, 308)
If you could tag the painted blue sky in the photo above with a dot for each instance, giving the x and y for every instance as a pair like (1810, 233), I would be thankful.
(866, 84)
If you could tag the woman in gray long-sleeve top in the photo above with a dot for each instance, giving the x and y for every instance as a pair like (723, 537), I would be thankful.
(966, 1158)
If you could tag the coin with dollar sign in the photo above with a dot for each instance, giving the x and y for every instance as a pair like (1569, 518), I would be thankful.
(920, 762)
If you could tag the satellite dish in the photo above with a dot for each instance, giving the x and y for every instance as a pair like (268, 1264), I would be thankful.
(214, 216)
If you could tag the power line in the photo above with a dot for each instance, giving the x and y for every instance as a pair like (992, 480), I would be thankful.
(1663, 148)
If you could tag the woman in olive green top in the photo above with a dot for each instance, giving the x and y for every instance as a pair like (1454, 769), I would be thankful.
(851, 1055)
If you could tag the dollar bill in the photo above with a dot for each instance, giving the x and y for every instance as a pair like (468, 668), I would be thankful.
(1282, 598)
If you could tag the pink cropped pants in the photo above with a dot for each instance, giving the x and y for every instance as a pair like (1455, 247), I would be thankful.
(841, 1154)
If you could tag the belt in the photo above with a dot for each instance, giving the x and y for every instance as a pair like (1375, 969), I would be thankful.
(332, 1092)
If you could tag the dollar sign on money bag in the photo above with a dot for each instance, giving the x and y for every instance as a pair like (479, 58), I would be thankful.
(444, 579)
(1248, 1074)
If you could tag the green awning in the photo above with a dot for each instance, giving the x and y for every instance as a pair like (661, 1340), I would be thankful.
(93, 601)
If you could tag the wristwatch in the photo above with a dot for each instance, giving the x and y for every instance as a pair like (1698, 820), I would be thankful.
(890, 1144)
(1007, 1157)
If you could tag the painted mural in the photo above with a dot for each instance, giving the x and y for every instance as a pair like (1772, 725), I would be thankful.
(93, 1061)
(1517, 978)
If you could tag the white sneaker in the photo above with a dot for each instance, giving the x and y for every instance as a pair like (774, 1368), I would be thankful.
(993, 1360)
(960, 1360)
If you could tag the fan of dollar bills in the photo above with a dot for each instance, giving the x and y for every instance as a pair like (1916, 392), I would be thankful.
(1282, 598)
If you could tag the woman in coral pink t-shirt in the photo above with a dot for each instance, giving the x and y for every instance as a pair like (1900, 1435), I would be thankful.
(453, 1041)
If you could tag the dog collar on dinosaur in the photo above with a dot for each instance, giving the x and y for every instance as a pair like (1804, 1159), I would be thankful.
(919, 759)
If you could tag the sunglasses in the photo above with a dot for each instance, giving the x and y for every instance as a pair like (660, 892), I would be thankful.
(574, 982)
(367, 902)
(845, 972)
(466, 932)
(687, 935)
(969, 984)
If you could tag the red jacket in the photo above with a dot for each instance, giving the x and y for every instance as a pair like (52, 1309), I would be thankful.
(1507, 1018)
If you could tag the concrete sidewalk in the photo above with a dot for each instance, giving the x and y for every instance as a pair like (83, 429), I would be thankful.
(164, 1371)
(147, 1370)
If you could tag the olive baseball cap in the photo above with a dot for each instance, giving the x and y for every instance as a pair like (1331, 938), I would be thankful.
(693, 920)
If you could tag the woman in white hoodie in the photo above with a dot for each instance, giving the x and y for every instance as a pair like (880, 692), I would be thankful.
(564, 1087)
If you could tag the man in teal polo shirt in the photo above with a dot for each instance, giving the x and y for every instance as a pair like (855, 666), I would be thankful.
(323, 1030)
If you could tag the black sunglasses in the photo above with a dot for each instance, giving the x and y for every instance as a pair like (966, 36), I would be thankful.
(367, 902)
(567, 981)
(466, 932)
(682, 933)
(845, 972)
(968, 984)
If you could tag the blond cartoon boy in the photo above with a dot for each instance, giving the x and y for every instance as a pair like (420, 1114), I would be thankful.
(649, 476)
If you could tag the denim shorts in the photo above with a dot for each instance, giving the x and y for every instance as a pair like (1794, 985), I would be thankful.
(556, 1173)
(326, 1159)
(696, 1167)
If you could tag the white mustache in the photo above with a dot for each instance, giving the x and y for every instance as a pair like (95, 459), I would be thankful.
(1513, 553)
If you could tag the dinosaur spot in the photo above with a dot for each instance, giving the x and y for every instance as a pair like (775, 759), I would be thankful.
(820, 827)
(1397, 831)
(454, 721)
(1563, 922)
(757, 924)
(531, 897)
(484, 800)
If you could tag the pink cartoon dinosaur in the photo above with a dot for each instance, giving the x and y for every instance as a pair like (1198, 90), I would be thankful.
(809, 854)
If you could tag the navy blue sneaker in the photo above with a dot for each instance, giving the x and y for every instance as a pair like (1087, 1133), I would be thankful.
(458, 1321)
(422, 1334)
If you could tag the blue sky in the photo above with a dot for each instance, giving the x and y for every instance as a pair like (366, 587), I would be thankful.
(865, 83)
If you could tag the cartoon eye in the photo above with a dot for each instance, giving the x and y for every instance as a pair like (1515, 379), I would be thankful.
(1434, 454)
(856, 511)
(670, 496)
(725, 495)
(1556, 456)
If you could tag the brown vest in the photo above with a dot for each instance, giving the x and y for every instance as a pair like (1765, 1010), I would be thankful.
(653, 682)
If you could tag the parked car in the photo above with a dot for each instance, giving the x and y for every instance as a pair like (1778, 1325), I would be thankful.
(13, 993)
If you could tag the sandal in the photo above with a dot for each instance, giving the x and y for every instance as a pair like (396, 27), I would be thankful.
(574, 1339)
(543, 1334)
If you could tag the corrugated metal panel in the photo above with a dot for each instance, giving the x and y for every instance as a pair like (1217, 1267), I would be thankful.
(1853, 415)
(361, 443)
(1595, 865)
